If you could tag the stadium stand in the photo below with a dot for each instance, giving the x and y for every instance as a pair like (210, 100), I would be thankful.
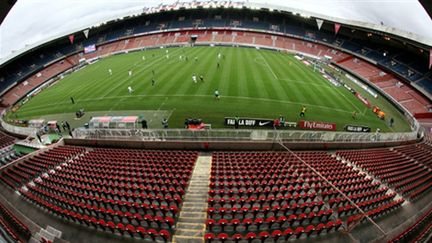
(401, 168)
(132, 193)
(417, 231)
(8, 154)
(253, 195)
(12, 226)
(270, 194)
(22, 172)
(6, 140)
(406, 95)
(303, 37)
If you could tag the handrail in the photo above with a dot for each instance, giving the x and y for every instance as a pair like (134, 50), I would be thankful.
(239, 135)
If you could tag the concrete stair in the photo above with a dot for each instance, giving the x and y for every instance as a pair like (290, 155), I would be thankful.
(190, 226)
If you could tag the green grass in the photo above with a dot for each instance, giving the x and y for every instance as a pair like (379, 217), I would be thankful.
(252, 83)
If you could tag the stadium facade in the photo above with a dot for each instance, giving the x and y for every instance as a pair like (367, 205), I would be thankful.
(175, 194)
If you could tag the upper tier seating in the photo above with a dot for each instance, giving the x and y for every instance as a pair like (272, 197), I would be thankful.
(274, 194)
(132, 193)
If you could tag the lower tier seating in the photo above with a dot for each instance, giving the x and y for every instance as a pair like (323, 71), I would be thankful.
(417, 231)
(131, 193)
(402, 167)
(20, 173)
(8, 155)
(12, 226)
(260, 195)
(6, 140)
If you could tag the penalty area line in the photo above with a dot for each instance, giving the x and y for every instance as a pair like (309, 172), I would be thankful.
(268, 66)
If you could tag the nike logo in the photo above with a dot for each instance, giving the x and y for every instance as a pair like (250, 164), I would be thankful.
(263, 123)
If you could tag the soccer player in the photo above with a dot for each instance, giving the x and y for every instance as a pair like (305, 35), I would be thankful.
(303, 111)
(217, 95)
(196, 59)
(194, 78)
(165, 123)
(72, 100)
(130, 72)
(110, 71)
(130, 90)
(201, 78)
(143, 58)
(153, 82)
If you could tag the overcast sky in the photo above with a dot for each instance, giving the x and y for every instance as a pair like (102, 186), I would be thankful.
(32, 21)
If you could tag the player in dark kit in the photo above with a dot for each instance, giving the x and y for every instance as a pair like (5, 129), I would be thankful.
(72, 100)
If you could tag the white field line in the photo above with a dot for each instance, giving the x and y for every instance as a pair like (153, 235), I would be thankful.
(268, 66)
(204, 96)
(123, 81)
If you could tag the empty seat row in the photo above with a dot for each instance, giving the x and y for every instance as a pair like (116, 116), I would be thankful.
(401, 167)
(258, 192)
(420, 226)
(98, 190)
(13, 226)
(20, 173)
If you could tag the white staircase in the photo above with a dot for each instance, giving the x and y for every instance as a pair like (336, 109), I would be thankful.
(190, 227)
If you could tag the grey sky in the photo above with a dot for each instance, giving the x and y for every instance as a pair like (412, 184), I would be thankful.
(32, 21)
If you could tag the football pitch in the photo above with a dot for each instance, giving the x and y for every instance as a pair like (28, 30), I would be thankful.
(251, 82)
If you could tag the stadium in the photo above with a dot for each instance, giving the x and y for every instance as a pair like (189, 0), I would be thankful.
(217, 121)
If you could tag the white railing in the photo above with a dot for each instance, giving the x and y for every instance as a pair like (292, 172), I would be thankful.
(239, 135)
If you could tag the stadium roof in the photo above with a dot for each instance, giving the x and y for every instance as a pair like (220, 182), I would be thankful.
(31, 23)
